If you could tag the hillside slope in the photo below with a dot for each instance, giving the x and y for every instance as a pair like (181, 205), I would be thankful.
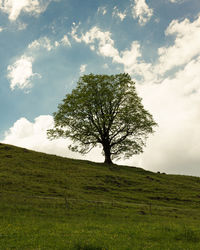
(37, 174)
(50, 202)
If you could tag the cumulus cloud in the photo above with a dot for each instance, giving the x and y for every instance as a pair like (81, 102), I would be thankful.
(65, 41)
(101, 42)
(14, 7)
(186, 45)
(174, 148)
(62, 42)
(104, 46)
(118, 14)
(174, 103)
(43, 42)
(46, 43)
(102, 10)
(83, 68)
(74, 32)
(133, 63)
(20, 73)
(141, 11)
(33, 135)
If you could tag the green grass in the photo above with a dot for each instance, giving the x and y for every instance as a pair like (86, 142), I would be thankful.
(50, 202)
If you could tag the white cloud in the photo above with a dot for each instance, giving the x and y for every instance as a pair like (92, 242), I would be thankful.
(141, 11)
(117, 13)
(83, 68)
(33, 135)
(174, 103)
(102, 10)
(30, 135)
(46, 43)
(20, 73)
(14, 7)
(43, 42)
(56, 43)
(74, 32)
(103, 44)
(133, 64)
(176, 1)
(186, 45)
(65, 41)
(121, 15)
(1, 29)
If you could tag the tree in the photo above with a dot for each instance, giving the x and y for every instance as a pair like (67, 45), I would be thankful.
(106, 110)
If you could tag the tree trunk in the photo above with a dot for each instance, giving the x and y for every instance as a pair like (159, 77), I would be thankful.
(107, 153)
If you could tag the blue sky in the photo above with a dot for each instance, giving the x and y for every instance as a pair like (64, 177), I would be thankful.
(46, 45)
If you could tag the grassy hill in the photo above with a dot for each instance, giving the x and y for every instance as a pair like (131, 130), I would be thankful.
(50, 202)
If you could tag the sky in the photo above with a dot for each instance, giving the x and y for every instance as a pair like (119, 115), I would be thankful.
(46, 45)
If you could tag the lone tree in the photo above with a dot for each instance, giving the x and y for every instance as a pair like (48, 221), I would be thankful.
(106, 110)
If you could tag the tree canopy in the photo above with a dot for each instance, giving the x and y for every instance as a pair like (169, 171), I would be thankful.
(106, 110)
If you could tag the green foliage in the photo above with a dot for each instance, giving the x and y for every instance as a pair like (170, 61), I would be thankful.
(104, 110)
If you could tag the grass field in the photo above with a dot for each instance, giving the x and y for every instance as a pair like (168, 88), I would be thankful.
(50, 202)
